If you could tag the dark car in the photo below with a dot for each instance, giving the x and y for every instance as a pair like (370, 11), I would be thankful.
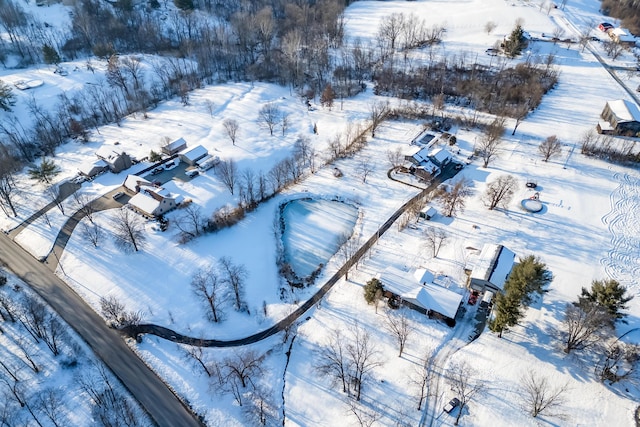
(473, 298)
(605, 26)
(453, 404)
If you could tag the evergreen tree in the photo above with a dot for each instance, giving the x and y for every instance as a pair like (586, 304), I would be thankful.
(609, 294)
(44, 172)
(507, 310)
(371, 290)
(7, 98)
(184, 4)
(529, 276)
(50, 55)
(515, 43)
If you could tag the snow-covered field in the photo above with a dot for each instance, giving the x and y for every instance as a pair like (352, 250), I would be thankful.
(588, 229)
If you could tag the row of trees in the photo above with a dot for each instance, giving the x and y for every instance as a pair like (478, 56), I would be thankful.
(219, 285)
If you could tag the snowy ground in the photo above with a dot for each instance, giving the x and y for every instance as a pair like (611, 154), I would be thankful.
(587, 230)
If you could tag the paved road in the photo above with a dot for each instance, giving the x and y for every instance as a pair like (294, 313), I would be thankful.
(154, 396)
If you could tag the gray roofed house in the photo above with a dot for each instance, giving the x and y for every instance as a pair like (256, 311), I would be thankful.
(191, 155)
(621, 117)
(174, 147)
(492, 268)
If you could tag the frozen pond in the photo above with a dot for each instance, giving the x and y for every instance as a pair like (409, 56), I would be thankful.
(313, 230)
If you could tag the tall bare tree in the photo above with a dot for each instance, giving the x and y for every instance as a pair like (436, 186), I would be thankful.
(8, 188)
(331, 359)
(378, 112)
(269, 116)
(538, 395)
(50, 401)
(83, 204)
(207, 285)
(421, 377)
(435, 239)
(234, 276)
(129, 230)
(363, 358)
(465, 385)
(398, 325)
(550, 147)
(500, 191)
(231, 127)
(453, 199)
(584, 324)
(489, 145)
(364, 168)
(192, 222)
(227, 171)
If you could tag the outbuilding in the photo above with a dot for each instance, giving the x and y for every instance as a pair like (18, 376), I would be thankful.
(492, 268)
(174, 147)
(191, 155)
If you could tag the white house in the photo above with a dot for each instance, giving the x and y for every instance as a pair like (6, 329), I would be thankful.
(492, 268)
(439, 156)
(420, 293)
(94, 168)
(191, 155)
(151, 200)
(174, 147)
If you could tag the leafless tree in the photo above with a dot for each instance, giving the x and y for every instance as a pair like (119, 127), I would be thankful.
(619, 361)
(421, 377)
(489, 145)
(92, 233)
(245, 366)
(53, 191)
(390, 29)
(366, 417)
(331, 359)
(454, 199)
(378, 112)
(191, 223)
(111, 308)
(550, 147)
(49, 401)
(365, 168)
(247, 187)
(397, 324)
(227, 171)
(303, 149)
(500, 191)
(196, 354)
(490, 26)
(26, 349)
(129, 230)
(269, 116)
(613, 49)
(538, 395)
(465, 385)
(348, 247)
(584, 324)
(33, 317)
(9, 310)
(259, 408)
(435, 239)
(54, 333)
(231, 127)
(395, 157)
(8, 187)
(234, 276)
(84, 205)
(207, 285)
(363, 358)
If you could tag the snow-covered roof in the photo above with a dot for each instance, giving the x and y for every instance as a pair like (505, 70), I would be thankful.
(625, 111)
(493, 264)
(429, 211)
(422, 275)
(175, 144)
(107, 151)
(420, 154)
(440, 155)
(89, 168)
(144, 203)
(194, 153)
(133, 182)
(428, 295)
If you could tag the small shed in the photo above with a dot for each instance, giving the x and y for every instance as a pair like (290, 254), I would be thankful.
(427, 213)
(174, 147)
(191, 155)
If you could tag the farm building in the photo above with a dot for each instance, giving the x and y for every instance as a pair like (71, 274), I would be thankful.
(174, 147)
(191, 155)
(419, 293)
(427, 213)
(492, 268)
(621, 117)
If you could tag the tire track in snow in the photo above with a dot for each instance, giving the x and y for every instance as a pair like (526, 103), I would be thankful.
(622, 262)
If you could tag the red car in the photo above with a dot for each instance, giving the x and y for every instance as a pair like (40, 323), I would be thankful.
(473, 298)
(605, 26)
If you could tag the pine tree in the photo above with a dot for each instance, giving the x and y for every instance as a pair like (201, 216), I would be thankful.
(371, 290)
(44, 172)
(50, 55)
(507, 309)
(515, 43)
(7, 98)
(529, 276)
(608, 294)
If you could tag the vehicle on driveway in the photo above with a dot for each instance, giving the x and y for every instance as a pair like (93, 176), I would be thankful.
(453, 404)
(157, 170)
(473, 298)
(118, 195)
(191, 173)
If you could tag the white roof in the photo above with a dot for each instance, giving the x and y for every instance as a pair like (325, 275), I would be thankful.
(618, 31)
(494, 264)
(421, 154)
(440, 155)
(429, 296)
(194, 153)
(87, 168)
(107, 151)
(133, 181)
(145, 203)
(422, 275)
(174, 144)
(429, 210)
(625, 111)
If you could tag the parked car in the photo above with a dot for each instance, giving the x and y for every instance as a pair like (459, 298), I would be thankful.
(118, 195)
(453, 404)
(605, 26)
(473, 298)
(79, 179)
(157, 170)
(191, 173)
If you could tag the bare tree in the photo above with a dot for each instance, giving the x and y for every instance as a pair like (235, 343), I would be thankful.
(84, 205)
(613, 49)
(191, 223)
(538, 395)
(465, 385)
(8, 187)
(398, 325)
(269, 116)
(365, 168)
(363, 358)
(234, 276)
(390, 29)
(33, 317)
(490, 26)
(259, 408)
(366, 417)
(227, 171)
(434, 239)
(378, 112)
(348, 247)
(207, 285)
(453, 199)
(54, 333)
(550, 147)
(245, 366)
(489, 145)
(49, 401)
(195, 353)
(500, 191)
(421, 377)
(231, 127)
(331, 359)
(619, 361)
(584, 324)
(25, 349)
(92, 233)
(53, 191)
(395, 157)
(129, 230)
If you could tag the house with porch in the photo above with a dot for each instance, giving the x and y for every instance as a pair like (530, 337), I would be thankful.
(150, 200)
